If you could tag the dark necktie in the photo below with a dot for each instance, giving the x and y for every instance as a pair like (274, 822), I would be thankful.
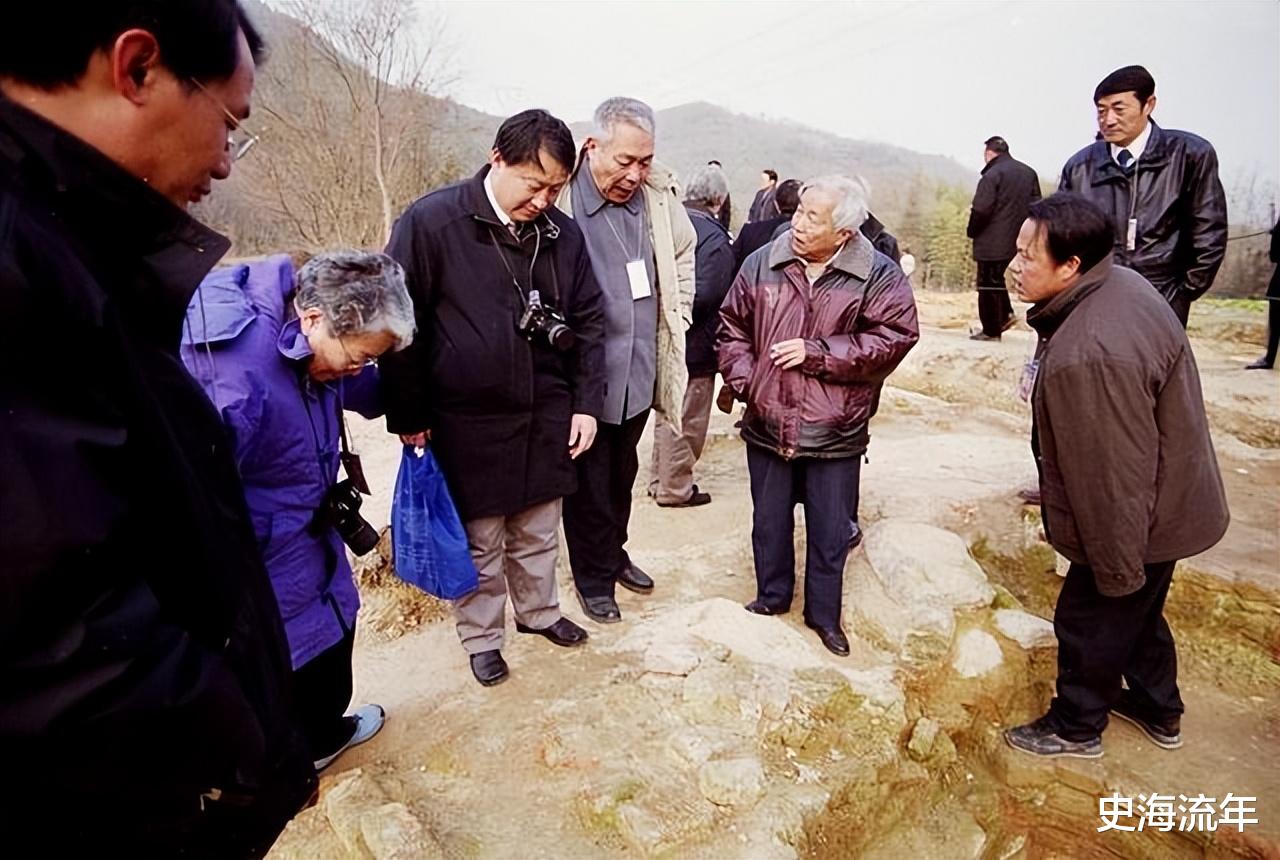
(1125, 159)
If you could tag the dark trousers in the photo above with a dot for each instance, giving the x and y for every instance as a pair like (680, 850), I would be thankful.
(994, 308)
(1273, 329)
(829, 491)
(1103, 639)
(322, 691)
(596, 516)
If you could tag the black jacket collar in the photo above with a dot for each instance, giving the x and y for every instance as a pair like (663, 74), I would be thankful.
(1047, 316)
(999, 159)
(1104, 167)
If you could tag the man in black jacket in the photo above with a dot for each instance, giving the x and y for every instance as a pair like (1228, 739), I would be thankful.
(764, 205)
(1159, 187)
(505, 378)
(1006, 189)
(757, 234)
(143, 665)
(675, 453)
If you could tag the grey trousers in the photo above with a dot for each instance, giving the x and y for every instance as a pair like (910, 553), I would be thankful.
(671, 476)
(517, 554)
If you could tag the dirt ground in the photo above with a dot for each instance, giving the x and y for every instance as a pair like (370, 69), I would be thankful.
(949, 447)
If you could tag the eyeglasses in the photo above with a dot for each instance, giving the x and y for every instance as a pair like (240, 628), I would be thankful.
(352, 362)
(239, 139)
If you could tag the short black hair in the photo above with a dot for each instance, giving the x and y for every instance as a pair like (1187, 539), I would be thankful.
(1073, 226)
(772, 174)
(716, 163)
(522, 137)
(997, 144)
(787, 196)
(1130, 79)
(48, 43)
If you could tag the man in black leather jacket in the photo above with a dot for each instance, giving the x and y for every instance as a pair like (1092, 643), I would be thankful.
(1159, 186)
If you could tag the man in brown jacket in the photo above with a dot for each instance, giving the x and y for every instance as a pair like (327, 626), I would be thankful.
(1128, 475)
(812, 325)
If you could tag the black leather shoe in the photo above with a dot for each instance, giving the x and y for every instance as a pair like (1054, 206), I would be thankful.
(634, 579)
(489, 667)
(832, 637)
(696, 498)
(1260, 364)
(564, 632)
(759, 607)
(855, 535)
(602, 609)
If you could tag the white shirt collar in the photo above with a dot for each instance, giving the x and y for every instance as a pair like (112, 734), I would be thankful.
(1135, 148)
(493, 201)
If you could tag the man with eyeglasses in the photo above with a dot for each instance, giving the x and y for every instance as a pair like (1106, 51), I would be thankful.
(145, 673)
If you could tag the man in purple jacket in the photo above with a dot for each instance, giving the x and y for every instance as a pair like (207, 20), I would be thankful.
(281, 364)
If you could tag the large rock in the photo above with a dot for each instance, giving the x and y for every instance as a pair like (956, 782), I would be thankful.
(392, 832)
(1029, 631)
(737, 782)
(923, 564)
(977, 654)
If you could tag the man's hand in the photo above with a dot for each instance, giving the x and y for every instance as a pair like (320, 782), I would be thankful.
(788, 353)
(724, 400)
(417, 440)
(582, 432)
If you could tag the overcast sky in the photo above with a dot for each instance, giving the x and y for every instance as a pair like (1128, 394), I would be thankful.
(937, 77)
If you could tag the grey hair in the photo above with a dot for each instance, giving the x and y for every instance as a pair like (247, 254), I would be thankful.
(853, 199)
(708, 186)
(621, 109)
(359, 292)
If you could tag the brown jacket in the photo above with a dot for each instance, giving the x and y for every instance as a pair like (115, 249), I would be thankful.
(1128, 475)
(858, 321)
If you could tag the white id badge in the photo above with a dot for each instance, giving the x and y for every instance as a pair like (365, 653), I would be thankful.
(1131, 240)
(639, 279)
(1027, 382)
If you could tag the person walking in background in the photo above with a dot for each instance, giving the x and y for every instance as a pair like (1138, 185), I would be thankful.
(641, 245)
(675, 453)
(763, 206)
(1158, 186)
(1268, 359)
(1006, 189)
(1128, 474)
(505, 380)
(281, 361)
(812, 326)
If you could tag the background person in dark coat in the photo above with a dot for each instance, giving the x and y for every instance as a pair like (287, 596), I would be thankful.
(506, 406)
(1159, 187)
(763, 205)
(1268, 359)
(674, 454)
(1006, 189)
(144, 667)
(1127, 471)
(725, 214)
(757, 234)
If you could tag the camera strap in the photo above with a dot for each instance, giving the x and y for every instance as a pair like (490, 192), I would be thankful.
(522, 291)
(350, 461)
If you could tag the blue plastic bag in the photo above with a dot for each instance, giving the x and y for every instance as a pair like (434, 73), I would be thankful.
(427, 538)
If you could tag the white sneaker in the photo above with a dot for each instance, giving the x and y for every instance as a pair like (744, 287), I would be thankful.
(369, 720)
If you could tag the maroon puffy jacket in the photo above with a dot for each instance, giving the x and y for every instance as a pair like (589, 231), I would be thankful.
(858, 321)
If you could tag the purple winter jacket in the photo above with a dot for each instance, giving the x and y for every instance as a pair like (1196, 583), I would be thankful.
(247, 350)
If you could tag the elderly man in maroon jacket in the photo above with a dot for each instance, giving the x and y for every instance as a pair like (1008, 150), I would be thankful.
(812, 325)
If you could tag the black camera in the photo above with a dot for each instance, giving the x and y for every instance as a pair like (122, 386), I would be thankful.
(340, 511)
(545, 322)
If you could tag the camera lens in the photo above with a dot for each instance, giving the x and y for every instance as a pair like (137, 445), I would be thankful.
(560, 336)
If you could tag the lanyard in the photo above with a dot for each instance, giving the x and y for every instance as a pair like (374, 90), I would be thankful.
(618, 236)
